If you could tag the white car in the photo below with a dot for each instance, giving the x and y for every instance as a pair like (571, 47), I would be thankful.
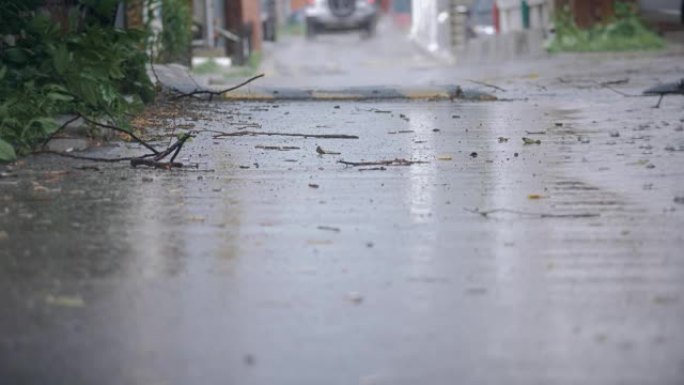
(338, 15)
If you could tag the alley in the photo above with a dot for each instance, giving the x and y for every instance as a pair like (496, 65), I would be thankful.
(535, 239)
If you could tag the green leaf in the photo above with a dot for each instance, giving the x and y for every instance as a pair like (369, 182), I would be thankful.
(59, 97)
(62, 59)
(16, 55)
(7, 153)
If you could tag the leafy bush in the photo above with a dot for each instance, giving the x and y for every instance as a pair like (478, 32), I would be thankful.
(623, 33)
(48, 68)
(176, 35)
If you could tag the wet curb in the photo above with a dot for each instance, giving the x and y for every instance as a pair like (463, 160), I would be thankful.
(358, 94)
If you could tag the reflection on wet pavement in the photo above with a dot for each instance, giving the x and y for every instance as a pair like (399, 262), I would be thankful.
(240, 271)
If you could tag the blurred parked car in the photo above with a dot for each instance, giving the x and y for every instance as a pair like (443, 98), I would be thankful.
(337, 15)
(668, 12)
(269, 22)
(480, 19)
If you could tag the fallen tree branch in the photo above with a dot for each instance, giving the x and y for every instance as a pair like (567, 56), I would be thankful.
(143, 160)
(217, 93)
(119, 129)
(266, 133)
(156, 161)
(486, 213)
(393, 162)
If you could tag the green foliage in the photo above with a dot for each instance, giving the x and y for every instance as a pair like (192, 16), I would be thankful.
(624, 32)
(206, 68)
(177, 33)
(6, 152)
(48, 69)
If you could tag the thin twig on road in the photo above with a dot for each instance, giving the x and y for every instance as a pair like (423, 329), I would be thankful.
(607, 86)
(81, 157)
(267, 133)
(486, 213)
(393, 162)
(217, 93)
(487, 85)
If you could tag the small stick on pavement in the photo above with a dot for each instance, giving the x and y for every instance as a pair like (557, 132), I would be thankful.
(393, 162)
(80, 157)
(487, 85)
(615, 82)
(217, 93)
(606, 85)
(265, 133)
(486, 213)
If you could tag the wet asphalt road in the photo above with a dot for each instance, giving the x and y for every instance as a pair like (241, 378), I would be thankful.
(283, 266)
